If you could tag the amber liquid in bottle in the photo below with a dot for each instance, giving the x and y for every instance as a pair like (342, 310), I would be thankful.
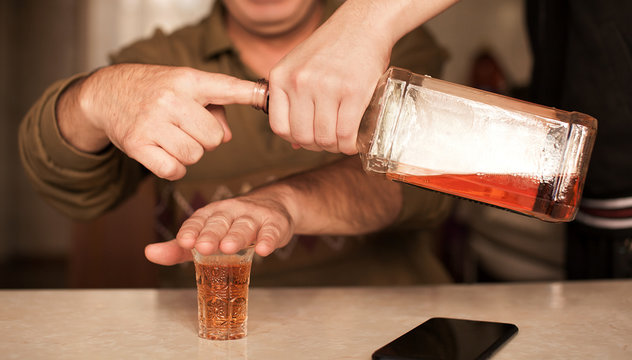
(522, 194)
(222, 300)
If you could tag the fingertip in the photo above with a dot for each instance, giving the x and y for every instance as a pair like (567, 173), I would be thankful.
(166, 253)
(219, 113)
(228, 246)
(149, 252)
(205, 247)
(223, 89)
(158, 161)
(263, 248)
(186, 240)
(174, 172)
(228, 136)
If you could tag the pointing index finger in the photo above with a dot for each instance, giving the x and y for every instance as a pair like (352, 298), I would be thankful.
(221, 89)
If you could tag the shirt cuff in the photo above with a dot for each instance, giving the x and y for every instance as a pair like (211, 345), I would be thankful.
(60, 152)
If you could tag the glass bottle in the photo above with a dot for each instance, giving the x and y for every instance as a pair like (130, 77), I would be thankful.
(477, 145)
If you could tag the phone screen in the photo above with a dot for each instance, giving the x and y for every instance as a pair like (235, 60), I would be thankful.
(448, 339)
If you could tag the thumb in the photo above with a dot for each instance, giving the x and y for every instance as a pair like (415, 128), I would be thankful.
(167, 253)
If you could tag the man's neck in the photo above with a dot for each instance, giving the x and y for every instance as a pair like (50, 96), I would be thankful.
(261, 52)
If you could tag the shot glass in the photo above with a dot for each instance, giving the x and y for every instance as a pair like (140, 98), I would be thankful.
(222, 293)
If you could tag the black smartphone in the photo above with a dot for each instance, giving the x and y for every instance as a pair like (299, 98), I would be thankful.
(448, 339)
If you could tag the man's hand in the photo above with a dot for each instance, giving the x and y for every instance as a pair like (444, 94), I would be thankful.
(320, 90)
(337, 199)
(164, 117)
(229, 225)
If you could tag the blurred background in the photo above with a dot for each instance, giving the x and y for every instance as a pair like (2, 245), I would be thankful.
(44, 40)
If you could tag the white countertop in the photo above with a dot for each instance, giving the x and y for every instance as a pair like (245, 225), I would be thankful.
(570, 320)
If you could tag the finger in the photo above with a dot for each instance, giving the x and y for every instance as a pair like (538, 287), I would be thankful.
(219, 113)
(278, 113)
(179, 144)
(167, 253)
(349, 116)
(202, 125)
(242, 233)
(325, 119)
(190, 230)
(215, 228)
(269, 239)
(220, 89)
(158, 161)
(302, 122)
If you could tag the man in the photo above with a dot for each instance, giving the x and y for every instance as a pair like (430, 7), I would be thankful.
(582, 61)
(83, 144)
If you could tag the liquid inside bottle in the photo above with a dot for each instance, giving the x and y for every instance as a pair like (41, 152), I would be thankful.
(523, 194)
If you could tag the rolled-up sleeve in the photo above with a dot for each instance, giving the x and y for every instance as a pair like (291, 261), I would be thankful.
(81, 185)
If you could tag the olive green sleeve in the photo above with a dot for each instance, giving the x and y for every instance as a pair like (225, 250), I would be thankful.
(83, 185)
(80, 185)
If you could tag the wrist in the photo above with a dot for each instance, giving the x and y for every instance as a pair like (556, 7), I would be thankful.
(74, 121)
(282, 198)
(395, 18)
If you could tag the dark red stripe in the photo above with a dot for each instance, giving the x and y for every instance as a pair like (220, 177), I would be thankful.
(608, 213)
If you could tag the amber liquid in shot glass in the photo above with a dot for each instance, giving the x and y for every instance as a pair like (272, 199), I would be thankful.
(222, 284)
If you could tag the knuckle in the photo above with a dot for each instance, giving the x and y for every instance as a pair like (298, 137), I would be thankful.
(192, 224)
(303, 139)
(219, 220)
(182, 77)
(215, 138)
(247, 223)
(165, 98)
(211, 233)
(325, 142)
(274, 229)
(330, 84)
(346, 89)
(297, 79)
(193, 154)
(280, 76)
(129, 140)
(302, 78)
(170, 170)
(279, 128)
(276, 75)
(345, 134)
(348, 148)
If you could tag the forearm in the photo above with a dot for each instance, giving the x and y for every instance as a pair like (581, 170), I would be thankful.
(338, 199)
(391, 19)
(80, 185)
